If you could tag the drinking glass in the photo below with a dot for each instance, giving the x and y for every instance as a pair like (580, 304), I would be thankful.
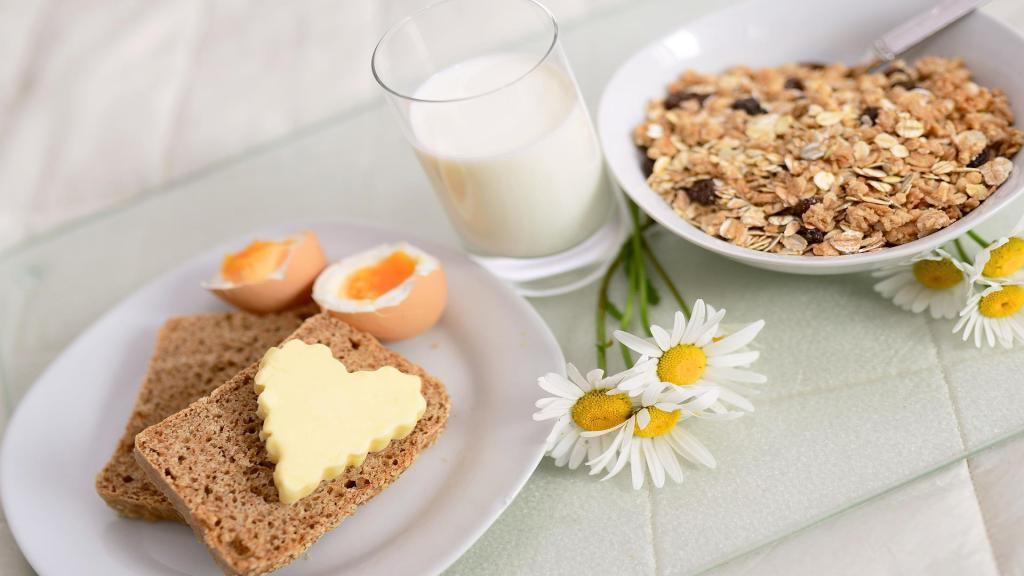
(486, 97)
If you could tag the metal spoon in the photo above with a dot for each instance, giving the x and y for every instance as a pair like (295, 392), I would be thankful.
(890, 45)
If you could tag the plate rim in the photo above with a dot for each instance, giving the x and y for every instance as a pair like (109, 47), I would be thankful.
(38, 561)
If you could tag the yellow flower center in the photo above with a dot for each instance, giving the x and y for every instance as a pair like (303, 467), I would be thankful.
(1003, 303)
(937, 274)
(1006, 259)
(661, 423)
(681, 365)
(596, 410)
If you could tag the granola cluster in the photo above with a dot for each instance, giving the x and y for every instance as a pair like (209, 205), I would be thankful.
(825, 159)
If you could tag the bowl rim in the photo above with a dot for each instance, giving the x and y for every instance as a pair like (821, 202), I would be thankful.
(651, 203)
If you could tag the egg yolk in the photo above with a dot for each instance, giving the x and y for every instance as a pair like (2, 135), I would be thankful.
(255, 262)
(372, 281)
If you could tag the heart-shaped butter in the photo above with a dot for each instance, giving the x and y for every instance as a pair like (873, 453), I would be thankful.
(319, 418)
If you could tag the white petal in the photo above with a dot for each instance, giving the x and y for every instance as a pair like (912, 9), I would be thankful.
(693, 447)
(565, 444)
(737, 359)
(736, 340)
(921, 301)
(653, 463)
(720, 416)
(624, 449)
(1018, 328)
(704, 401)
(578, 452)
(596, 433)
(679, 394)
(730, 397)
(711, 327)
(695, 324)
(551, 412)
(906, 295)
(631, 383)
(594, 449)
(637, 344)
(607, 455)
(643, 418)
(559, 386)
(576, 378)
(662, 338)
(725, 374)
(668, 459)
(964, 322)
(651, 393)
(637, 467)
(678, 327)
(888, 287)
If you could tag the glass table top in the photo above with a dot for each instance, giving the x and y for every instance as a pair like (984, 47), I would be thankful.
(863, 399)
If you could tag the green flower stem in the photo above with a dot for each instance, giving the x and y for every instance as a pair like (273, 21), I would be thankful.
(978, 239)
(641, 269)
(960, 250)
(632, 259)
(656, 264)
(602, 311)
(627, 312)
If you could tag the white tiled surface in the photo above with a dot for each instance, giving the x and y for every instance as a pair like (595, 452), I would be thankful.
(166, 87)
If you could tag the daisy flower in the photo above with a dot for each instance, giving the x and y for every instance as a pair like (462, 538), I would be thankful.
(581, 404)
(933, 281)
(651, 440)
(694, 358)
(1002, 261)
(995, 314)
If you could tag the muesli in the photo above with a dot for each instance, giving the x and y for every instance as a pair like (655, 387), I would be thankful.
(826, 159)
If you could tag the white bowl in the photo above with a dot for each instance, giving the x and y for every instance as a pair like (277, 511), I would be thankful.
(768, 33)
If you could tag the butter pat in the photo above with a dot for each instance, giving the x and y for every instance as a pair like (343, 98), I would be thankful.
(319, 418)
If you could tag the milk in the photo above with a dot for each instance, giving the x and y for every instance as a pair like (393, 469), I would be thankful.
(519, 170)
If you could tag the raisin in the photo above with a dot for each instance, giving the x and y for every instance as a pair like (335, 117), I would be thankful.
(907, 84)
(871, 113)
(982, 157)
(702, 191)
(674, 99)
(647, 165)
(800, 207)
(749, 105)
(812, 235)
(793, 84)
(805, 204)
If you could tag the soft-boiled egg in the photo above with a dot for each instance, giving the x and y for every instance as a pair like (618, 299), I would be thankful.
(270, 275)
(394, 291)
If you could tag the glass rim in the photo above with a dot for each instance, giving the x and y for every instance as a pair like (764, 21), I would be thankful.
(394, 28)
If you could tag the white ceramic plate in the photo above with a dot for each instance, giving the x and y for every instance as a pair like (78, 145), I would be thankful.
(763, 33)
(488, 349)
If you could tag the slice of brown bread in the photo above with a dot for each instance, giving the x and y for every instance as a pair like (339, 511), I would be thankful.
(209, 460)
(193, 355)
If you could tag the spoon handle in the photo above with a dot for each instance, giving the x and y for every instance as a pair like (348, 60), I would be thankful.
(906, 35)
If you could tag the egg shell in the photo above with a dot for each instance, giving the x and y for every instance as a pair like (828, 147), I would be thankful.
(415, 314)
(294, 286)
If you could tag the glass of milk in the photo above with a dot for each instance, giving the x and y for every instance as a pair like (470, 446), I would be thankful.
(486, 97)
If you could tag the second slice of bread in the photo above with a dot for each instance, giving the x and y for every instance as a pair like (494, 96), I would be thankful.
(193, 355)
(210, 462)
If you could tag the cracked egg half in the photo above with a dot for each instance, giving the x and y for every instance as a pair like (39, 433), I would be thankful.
(394, 291)
(270, 275)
